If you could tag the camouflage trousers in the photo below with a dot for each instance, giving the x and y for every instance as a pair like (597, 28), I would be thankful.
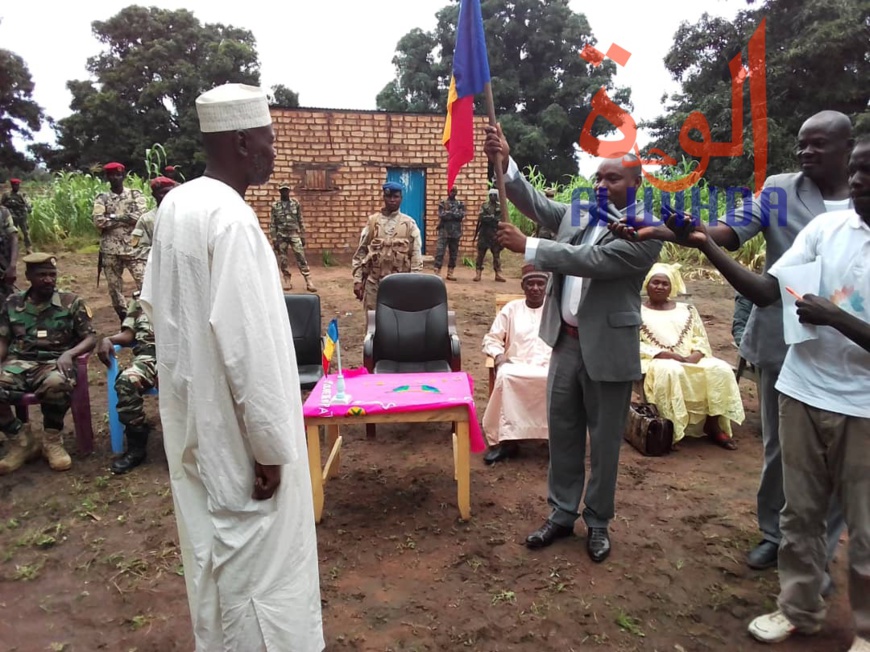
(131, 384)
(114, 267)
(293, 243)
(496, 256)
(370, 296)
(43, 379)
(23, 228)
(450, 244)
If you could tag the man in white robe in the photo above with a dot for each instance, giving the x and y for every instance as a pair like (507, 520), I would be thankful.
(517, 408)
(230, 401)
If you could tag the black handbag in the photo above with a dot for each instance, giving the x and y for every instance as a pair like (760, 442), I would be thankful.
(651, 434)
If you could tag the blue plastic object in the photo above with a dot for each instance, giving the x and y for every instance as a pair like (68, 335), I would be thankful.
(116, 429)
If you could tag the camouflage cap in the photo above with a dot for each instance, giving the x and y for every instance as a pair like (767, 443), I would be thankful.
(40, 260)
(284, 186)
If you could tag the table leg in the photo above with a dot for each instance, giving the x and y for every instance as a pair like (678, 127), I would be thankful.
(463, 470)
(332, 437)
(313, 433)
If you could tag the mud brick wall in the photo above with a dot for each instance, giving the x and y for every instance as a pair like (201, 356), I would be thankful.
(336, 161)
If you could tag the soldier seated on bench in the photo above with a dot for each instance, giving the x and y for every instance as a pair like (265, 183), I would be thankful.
(42, 332)
(688, 386)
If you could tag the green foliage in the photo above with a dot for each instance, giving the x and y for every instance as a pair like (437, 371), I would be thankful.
(143, 87)
(19, 114)
(817, 58)
(283, 97)
(542, 89)
(63, 209)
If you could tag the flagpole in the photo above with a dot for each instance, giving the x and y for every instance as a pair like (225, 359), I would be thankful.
(499, 173)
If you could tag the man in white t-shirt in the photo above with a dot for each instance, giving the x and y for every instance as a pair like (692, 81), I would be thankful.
(824, 412)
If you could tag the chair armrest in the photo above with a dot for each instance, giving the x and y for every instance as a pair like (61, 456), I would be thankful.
(369, 342)
(490, 366)
(490, 362)
(455, 346)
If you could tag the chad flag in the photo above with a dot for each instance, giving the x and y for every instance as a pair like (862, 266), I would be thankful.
(470, 75)
(329, 343)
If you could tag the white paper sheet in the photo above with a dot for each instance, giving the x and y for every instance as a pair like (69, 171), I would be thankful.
(803, 279)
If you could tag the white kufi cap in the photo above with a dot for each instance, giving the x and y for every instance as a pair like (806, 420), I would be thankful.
(233, 107)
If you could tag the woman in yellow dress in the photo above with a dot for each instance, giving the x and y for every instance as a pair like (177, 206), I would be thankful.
(688, 386)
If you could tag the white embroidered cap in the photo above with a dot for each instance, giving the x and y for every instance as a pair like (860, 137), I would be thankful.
(233, 107)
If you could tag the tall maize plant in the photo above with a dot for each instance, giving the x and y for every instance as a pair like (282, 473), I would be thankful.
(63, 209)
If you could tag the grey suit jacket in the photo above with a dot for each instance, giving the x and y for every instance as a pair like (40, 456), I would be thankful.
(613, 271)
(763, 341)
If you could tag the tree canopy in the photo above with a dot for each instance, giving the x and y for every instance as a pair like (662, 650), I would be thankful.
(817, 58)
(283, 96)
(19, 113)
(143, 87)
(541, 86)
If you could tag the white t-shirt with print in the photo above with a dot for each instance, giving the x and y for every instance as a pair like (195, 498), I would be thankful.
(832, 372)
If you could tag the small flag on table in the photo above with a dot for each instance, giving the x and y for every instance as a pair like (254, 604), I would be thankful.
(329, 344)
(470, 76)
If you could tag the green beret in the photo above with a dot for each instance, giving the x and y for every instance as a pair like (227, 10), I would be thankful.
(40, 260)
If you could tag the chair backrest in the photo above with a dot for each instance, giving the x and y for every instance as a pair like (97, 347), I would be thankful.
(411, 319)
(501, 300)
(304, 313)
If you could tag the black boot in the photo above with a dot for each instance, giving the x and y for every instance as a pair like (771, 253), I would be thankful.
(137, 440)
(122, 314)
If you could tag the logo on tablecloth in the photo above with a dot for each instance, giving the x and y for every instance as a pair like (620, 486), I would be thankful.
(430, 389)
(355, 411)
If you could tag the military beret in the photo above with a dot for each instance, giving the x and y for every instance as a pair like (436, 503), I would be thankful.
(110, 167)
(14, 180)
(162, 182)
(169, 169)
(284, 186)
(40, 260)
(493, 192)
(392, 186)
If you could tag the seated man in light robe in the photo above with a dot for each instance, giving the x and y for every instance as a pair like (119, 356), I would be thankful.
(517, 408)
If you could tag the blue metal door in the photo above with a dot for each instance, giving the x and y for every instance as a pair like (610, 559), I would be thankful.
(414, 196)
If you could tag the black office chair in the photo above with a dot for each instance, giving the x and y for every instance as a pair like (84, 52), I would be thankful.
(411, 330)
(304, 313)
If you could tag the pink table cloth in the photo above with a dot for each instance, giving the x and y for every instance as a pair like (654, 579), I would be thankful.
(392, 393)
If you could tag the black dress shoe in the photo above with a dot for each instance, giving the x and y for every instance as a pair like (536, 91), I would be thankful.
(598, 544)
(764, 555)
(500, 452)
(546, 534)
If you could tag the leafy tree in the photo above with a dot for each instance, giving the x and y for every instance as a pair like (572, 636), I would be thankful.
(144, 85)
(542, 89)
(817, 58)
(284, 97)
(19, 114)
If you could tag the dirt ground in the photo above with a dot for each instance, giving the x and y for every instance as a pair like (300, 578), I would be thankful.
(89, 561)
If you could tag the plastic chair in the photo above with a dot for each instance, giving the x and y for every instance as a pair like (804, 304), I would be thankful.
(116, 429)
(80, 405)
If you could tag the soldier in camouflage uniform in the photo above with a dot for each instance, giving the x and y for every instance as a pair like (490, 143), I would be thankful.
(543, 231)
(115, 216)
(143, 232)
(133, 382)
(389, 244)
(8, 253)
(486, 232)
(451, 212)
(288, 231)
(20, 208)
(42, 332)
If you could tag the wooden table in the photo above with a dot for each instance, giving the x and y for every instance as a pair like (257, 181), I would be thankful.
(456, 414)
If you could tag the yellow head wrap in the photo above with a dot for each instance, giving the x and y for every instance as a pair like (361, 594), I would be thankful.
(673, 274)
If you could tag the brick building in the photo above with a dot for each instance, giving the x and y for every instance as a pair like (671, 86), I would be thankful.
(336, 161)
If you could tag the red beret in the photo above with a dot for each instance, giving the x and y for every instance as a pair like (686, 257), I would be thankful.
(169, 168)
(14, 180)
(109, 167)
(162, 182)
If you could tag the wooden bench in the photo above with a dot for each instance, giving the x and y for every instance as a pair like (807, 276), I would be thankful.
(501, 300)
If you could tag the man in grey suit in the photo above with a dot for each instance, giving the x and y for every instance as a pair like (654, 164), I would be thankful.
(823, 147)
(591, 319)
